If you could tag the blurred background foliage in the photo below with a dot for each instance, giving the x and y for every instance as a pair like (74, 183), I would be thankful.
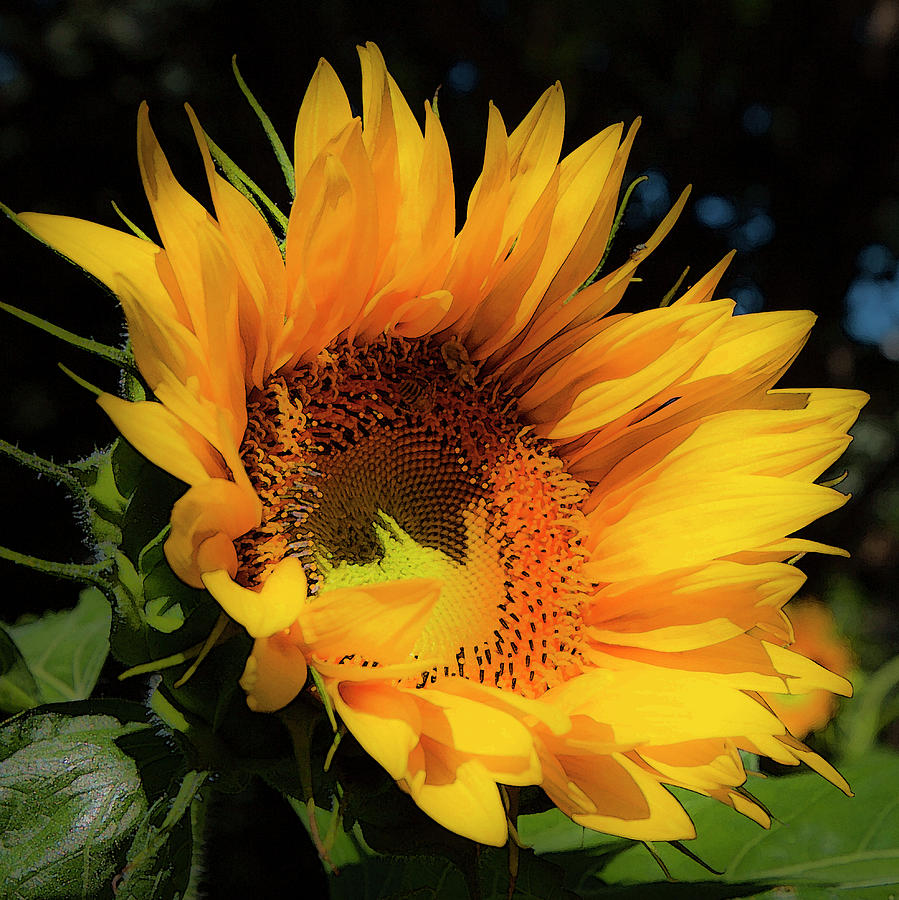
(783, 116)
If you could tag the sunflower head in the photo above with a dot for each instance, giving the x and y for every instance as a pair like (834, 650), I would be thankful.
(512, 536)
(817, 636)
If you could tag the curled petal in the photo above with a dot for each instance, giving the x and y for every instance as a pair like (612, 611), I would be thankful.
(273, 608)
(216, 510)
(274, 674)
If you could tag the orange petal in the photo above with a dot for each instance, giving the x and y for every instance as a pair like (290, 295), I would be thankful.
(274, 674)
(164, 439)
(324, 113)
(214, 509)
(255, 253)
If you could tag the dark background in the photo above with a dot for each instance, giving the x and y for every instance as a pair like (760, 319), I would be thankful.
(782, 115)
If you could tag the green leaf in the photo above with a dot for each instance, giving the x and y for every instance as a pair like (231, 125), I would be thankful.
(823, 845)
(435, 877)
(69, 799)
(18, 689)
(65, 651)
(277, 145)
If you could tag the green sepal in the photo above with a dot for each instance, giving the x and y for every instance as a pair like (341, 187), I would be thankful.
(88, 573)
(61, 474)
(266, 122)
(115, 355)
(243, 183)
(616, 224)
(130, 225)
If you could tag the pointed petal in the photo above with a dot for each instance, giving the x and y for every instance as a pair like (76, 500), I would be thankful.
(384, 720)
(472, 727)
(164, 439)
(254, 250)
(469, 805)
(324, 113)
(615, 795)
(663, 707)
(644, 533)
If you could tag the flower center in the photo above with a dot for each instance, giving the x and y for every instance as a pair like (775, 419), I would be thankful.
(395, 463)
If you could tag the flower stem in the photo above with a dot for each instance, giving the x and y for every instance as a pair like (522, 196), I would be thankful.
(122, 359)
(90, 573)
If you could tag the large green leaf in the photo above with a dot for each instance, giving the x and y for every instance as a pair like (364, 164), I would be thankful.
(435, 877)
(65, 651)
(822, 845)
(69, 800)
(18, 689)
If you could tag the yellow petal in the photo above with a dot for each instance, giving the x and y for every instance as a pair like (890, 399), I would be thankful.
(529, 711)
(620, 798)
(534, 148)
(663, 706)
(384, 721)
(472, 727)
(581, 189)
(332, 239)
(273, 608)
(621, 367)
(163, 438)
(380, 622)
(104, 252)
(470, 805)
(130, 267)
(673, 524)
(324, 113)
(203, 270)
(803, 675)
(478, 242)
(255, 253)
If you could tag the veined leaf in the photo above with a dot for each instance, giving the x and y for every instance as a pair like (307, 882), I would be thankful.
(823, 845)
(69, 798)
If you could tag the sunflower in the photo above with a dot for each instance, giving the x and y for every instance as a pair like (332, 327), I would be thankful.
(520, 538)
(815, 635)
